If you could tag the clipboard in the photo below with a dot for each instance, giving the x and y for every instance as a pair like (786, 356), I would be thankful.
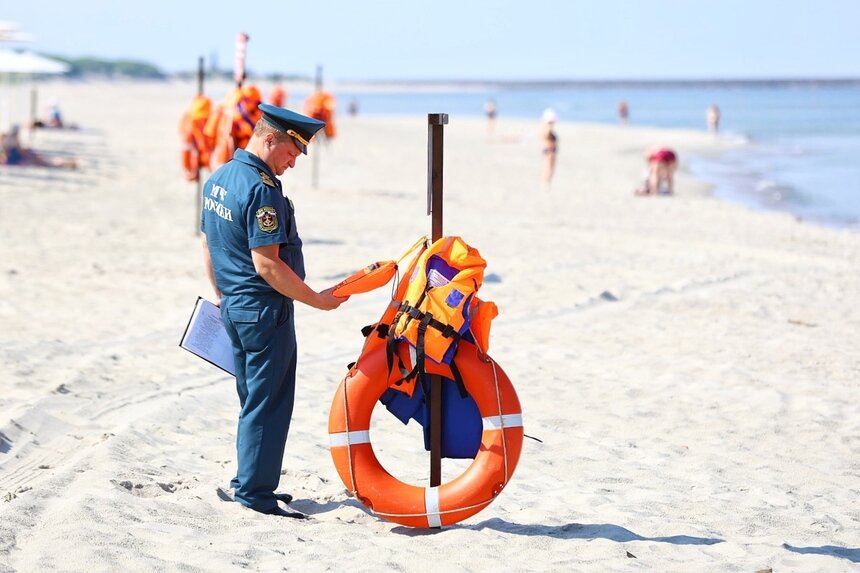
(206, 337)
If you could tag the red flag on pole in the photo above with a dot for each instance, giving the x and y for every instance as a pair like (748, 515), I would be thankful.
(239, 62)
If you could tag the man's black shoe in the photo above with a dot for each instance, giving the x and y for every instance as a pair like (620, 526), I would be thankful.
(284, 497)
(283, 513)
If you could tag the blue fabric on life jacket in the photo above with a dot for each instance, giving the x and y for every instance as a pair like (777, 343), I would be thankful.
(461, 421)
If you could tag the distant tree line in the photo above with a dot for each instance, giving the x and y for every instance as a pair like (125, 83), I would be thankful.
(250, 76)
(79, 67)
(87, 66)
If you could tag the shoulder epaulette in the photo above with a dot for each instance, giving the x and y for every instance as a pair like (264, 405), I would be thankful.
(266, 179)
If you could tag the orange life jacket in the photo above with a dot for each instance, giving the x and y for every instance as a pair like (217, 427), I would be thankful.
(246, 113)
(219, 130)
(278, 96)
(222, 150)
(367, 279)
(195, 145)
(439, 306)
(320, 105)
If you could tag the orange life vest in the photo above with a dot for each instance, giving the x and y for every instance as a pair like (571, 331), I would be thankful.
(217, 132)
(438, 307)
(226, 129)
(441, 297)
(367, 279)
(195, 145)
(278, 96)
(246, 113)
(320, 105)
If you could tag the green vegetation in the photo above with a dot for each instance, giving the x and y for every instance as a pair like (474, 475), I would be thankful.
(87, 66)
(80, 67)
(250, 77)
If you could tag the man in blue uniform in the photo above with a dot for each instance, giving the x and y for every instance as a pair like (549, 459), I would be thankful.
(253, 256)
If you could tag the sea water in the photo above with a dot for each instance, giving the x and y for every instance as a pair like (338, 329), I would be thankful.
(800, 148)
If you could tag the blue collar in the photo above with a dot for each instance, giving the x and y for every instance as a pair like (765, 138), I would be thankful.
(250, 159)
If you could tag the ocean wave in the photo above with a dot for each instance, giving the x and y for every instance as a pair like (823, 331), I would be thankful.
(773, 192)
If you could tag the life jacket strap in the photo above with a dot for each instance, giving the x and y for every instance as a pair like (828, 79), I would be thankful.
(380, 329)
(446, 330)
(425, 320)
(458, 379)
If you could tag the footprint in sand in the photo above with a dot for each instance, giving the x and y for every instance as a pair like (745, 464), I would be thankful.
(144, 490)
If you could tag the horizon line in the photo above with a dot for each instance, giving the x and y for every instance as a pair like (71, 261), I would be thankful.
(625, 82)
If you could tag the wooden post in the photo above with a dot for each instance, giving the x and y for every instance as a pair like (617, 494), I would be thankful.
(199, 185)
(435, 145)
(34, 104)
(200, 74)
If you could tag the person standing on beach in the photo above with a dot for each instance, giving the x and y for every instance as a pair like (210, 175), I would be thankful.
(714, 118)
(253, 257)
(623, 112)
(491, 110)
(550, 145)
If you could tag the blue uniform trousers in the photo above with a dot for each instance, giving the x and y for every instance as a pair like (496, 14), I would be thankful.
(262, 330)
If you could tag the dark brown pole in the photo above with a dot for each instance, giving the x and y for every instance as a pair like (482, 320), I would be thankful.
(435, 145)
(34, 98)
(200, 76)
(199, 194)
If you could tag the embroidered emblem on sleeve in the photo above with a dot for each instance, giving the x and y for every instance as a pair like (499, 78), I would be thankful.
(267, 219)
(266, 179)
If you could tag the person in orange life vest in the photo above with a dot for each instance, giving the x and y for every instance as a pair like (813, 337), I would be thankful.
(253, 258)
(196, 146)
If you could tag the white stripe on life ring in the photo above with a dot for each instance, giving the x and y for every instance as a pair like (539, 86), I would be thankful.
(349, 438)
(431, 505)
(496, 422)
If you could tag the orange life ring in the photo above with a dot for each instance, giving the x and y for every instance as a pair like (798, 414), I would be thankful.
(451, 502)
(367, 279)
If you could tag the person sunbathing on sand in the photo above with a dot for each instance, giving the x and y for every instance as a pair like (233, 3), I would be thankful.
(55, 119)
(13, 153)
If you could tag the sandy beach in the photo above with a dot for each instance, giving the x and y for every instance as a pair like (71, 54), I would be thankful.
(690, 366)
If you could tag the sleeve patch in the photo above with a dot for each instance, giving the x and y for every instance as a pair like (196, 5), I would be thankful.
(267, 219)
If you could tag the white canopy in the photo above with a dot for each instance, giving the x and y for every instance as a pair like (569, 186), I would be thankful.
(12, 62)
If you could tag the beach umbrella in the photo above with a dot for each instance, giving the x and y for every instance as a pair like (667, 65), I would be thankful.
(28, 63)
(20, 66)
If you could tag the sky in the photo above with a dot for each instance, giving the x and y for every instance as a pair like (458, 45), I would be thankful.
(462, 39)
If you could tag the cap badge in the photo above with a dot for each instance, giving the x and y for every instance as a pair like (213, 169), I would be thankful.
(295, 134)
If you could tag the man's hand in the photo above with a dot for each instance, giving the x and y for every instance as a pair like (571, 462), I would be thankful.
(327, 301)
(281, 277)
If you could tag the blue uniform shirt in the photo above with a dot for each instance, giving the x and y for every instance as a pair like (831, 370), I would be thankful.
(244, 208)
